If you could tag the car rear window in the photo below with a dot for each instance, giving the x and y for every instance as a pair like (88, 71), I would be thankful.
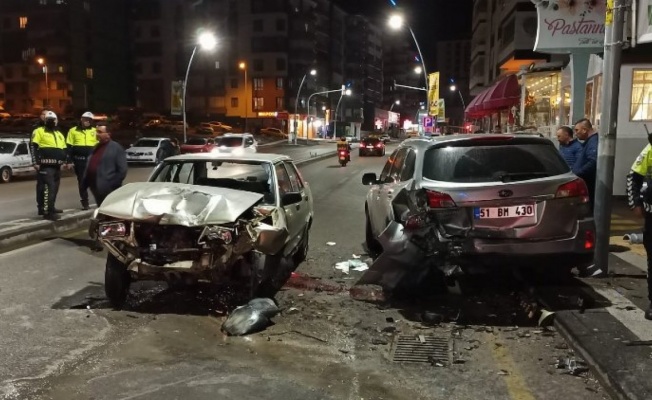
(371, 141)
(230, 142)
(492, 163)
(196, 142)
(146, 143)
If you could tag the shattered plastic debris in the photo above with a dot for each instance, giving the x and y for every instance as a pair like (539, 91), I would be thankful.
(250, 318)
(355, 264)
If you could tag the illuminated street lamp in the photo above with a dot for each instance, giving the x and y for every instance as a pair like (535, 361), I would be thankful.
(418, 70)
(41, 62)
(396, 22)
(396, 103)
(312, 72)
(206, 41)
(453, 88)
(346, 92)
(243, 66)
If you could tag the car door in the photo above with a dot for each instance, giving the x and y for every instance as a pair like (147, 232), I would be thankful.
(292, 211)
(374, 205)
(22, 159)
(390, 185)
(300, 213)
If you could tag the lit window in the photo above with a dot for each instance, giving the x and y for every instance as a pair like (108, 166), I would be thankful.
(22, 21)
(258, 84)
(258, 103)
(89, 73)
(279, 104)
(279, 83)
(641, 95)
(60, 69)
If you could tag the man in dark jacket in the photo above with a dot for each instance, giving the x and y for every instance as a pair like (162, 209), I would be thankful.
(569, 147)
(107, 166)
(587, 160)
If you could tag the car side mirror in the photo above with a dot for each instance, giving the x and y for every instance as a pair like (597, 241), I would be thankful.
(291, 198)
(369, 179)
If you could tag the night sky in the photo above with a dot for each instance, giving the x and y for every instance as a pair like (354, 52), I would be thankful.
(431, 20)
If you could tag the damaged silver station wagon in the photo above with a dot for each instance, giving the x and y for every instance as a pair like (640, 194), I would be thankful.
(221, 219)
(471, 203)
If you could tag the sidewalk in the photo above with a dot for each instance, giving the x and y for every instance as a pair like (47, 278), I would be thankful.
(28, 228)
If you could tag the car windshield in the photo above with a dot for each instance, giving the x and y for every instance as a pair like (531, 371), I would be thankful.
(492, 163)
(251, 176)
(196, 141)
(7, 147)
(146, 143)
(230, 142)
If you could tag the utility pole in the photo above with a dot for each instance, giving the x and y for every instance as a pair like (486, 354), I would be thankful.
(613, 45)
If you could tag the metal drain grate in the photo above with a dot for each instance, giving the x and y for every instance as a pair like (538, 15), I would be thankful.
(421, 349)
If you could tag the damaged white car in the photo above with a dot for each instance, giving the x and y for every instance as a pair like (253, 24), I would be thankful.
(220, 219)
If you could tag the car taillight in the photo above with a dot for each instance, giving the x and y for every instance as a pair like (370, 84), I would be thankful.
(439, 200)
(576, 188)
(379, 145)
(342, 153)
(589, 240)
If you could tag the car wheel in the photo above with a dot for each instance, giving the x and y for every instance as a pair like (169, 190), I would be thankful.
(116, 281)
(5, 175)
(302, 253)
(373, 246)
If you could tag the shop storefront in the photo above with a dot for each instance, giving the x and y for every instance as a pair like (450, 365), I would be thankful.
(542, 101)
(496, 108)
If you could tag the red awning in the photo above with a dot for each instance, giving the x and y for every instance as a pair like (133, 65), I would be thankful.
(503, 94)
(474, 109)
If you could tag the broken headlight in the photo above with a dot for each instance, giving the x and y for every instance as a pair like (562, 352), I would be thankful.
(216, 233)
(112, 229)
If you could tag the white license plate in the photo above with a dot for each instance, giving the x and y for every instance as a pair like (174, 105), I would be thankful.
(522, 211)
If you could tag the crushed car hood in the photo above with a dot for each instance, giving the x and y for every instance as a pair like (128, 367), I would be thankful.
(178, 203)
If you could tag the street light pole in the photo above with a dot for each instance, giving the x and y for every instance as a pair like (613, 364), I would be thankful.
(296, 107)
(207, 41)
(613, 46)
(42, 62)
(396, 22)
(347, 92)
(324, 92)
(246, 88)
(183, 101)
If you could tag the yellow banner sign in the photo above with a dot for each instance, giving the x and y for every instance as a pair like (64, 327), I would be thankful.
(433, 93)
(441, 112)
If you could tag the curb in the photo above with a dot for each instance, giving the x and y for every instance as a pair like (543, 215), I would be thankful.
(39, 229)
(30, 230)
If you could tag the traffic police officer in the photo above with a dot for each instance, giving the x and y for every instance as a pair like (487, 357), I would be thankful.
(641, 202)
(48, 154)
(81, 141)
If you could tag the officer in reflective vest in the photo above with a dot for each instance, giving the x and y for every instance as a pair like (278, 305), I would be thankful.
(48, 155)
(641, 202)
(81, 141)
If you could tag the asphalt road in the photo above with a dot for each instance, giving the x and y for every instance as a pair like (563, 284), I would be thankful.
(60, 340)
(18, 198)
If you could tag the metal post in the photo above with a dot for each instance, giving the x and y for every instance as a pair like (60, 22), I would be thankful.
(185, 84)
(335, 117)
(425, 71)
(47, 86)
(246, 100)
(296, 106)
(613, 45)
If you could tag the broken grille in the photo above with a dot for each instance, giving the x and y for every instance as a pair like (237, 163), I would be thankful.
(421, 349)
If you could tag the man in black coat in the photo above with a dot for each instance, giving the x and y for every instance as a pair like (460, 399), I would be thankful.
(107, 166)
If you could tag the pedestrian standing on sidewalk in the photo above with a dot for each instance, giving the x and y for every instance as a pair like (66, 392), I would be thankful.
(641, 203)
(569, 147)
(587, 160)
(81, 141)
(48, 155)
(107, 166)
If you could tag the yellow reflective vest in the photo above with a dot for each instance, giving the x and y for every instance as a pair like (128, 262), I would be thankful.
(48, 147)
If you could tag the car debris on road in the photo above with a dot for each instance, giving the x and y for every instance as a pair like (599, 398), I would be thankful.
(250, 318)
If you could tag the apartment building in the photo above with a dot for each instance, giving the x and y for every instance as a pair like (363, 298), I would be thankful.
(454, 65)
(363, 71)
(49, 56)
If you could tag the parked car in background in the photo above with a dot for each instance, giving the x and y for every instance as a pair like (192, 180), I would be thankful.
(236, 143)
(198, 145)
(15, 158)
(205, 128)
(385, 138)
(219, 127)
(274, 132)
(371, 146)
(227, 220)
(478, 201)
(150, 150)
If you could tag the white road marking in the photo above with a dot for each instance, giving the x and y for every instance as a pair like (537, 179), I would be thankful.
(621, 309)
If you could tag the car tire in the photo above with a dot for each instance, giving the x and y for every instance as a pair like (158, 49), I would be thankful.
(302, 253)
(372, 245)
(116, 281)
(5, 175)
